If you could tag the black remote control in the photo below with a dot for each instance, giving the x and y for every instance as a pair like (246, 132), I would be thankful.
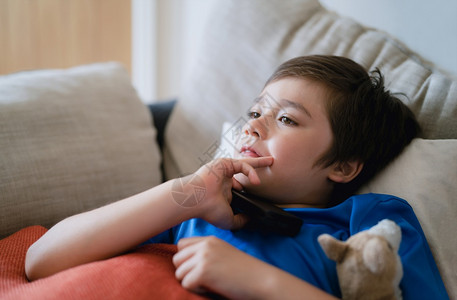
(265, 216)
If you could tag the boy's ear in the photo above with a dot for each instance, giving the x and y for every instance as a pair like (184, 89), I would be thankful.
(343, 172)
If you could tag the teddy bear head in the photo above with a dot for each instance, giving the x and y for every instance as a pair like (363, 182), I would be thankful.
(368, 265)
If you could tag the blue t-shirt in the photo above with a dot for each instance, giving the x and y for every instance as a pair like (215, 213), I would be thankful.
(303, 257)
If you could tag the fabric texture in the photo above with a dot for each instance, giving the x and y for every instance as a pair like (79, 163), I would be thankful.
(71, 140)
(302, 256)
(426, 174)
(145, 273)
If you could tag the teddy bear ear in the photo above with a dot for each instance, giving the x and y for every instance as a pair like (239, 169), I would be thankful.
(374, 256)
(389, 230)
(333, 248)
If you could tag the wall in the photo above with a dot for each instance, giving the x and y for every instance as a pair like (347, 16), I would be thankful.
(59, 34)
(180, 24)
(165, 37)
(154, 39)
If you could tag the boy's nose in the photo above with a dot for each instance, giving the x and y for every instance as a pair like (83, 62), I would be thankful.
(250, 131)
(257, 127)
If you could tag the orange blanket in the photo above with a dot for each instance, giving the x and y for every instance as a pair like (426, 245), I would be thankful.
(145, 273)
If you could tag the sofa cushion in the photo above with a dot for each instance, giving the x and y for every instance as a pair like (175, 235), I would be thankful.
(143, 273)
(71, 140)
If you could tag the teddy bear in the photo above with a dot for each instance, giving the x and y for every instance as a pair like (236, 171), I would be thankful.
(368, 264)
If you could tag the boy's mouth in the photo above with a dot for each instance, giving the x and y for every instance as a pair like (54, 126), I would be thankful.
(249, 152)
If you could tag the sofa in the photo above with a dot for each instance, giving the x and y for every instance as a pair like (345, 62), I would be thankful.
(74, 139)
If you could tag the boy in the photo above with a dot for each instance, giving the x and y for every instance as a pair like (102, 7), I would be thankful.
(320, 128)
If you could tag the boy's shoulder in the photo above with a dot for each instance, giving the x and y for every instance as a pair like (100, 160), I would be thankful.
(366, 210)
(360, 212)
(370, 199)
(374, 200)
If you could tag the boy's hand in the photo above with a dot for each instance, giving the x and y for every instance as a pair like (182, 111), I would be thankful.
(218, 181)
(209, 264)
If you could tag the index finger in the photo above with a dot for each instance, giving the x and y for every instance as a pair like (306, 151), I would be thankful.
(247, 167)
(258, 162)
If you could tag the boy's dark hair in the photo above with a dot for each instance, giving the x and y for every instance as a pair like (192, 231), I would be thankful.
(369, 124)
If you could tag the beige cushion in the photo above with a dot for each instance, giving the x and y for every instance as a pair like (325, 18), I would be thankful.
(71, 140)
(246, 40)
(426, 175)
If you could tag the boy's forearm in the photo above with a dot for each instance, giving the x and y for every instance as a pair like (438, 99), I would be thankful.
(279, 284)
(105, 232)
(212, 264)
(265, 281)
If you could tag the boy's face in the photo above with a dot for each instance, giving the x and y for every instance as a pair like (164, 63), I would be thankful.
(289, 122)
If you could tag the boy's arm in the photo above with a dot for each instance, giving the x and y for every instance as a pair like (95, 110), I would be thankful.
(210, 264)
(117, 227)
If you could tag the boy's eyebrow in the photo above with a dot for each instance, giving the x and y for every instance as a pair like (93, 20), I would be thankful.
(282, 103)
(289, 103)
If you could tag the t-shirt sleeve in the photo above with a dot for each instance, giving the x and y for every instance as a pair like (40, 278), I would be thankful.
(421, 278)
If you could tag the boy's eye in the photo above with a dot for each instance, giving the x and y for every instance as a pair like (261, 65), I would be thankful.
(253, 115)
(287, 121)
